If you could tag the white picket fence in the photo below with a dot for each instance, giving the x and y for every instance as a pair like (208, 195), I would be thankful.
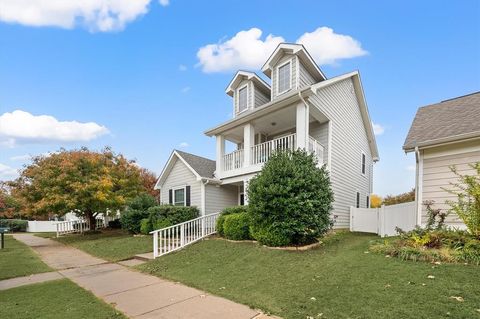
(79, 226)
(384, 220)
(170, 239)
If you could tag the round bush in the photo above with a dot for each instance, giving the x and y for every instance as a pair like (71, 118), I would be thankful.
(145, 226)
(290, 200)
(225, 212)
(237, 226)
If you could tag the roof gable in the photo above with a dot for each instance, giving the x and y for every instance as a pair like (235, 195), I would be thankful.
(450, 120)
(298, 50)
(201, 167)
(242, 75)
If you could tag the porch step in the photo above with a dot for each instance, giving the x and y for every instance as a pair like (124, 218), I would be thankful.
(144, 257)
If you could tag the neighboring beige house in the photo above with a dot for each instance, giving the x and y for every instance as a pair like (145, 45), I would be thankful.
(442, 135)
(302, 109)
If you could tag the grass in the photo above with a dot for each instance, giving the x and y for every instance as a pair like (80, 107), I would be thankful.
(339, 280)
(17, 259)
(112, 245)
(54, 299)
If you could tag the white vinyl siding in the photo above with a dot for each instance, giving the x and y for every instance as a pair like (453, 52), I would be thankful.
(219, 197)
(260, 97)
(349, 138)
(305, 79)
(437, 175)
(181, 176)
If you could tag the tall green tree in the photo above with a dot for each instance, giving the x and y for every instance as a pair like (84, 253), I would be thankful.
(82, 181)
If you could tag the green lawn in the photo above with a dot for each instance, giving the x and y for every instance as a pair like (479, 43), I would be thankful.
(54, 299)
(17, 259)
(112, 245)
(340, 280)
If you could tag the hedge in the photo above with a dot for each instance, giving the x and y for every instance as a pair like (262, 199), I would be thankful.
(237, 226)
(15, 225)
(228, 211)
(167, 215)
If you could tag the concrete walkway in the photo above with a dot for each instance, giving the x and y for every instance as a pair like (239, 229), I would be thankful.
(135, 294)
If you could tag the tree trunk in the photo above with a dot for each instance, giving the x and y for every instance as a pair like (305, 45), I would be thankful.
(91, 218)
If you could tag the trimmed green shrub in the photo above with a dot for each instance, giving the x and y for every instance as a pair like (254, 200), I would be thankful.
(145, 226)
(15, 225)
(168, 215)
(290, 200)
(237, 226)
(136, 211)
(225, 212)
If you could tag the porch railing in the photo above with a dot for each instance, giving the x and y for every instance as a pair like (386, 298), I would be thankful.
(233, 160)
(263, 151)
(316, 148)
(170, 239)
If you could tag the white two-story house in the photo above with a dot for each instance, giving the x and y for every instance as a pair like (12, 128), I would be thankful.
(299, 108)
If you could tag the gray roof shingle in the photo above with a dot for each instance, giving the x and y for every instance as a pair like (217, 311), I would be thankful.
(447, 119)
(203, 166)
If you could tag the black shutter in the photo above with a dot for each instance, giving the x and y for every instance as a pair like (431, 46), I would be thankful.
(358, 200)
(187, 196)
(170, 197)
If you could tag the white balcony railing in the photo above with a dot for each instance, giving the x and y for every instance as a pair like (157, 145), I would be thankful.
(316, 148)
(262, 152)
(233, 160)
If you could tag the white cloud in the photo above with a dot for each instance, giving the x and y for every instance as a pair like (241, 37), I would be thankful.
(185, 89)
(23, 127)
(326, 46)
(182, 67)
(164, 3)
(95, 15)
(7, 172)
(247, 49)
(378, 129)
(183, 145)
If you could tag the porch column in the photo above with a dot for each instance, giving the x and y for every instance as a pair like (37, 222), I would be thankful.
(220, 153)
(302, 125)
(248, 142)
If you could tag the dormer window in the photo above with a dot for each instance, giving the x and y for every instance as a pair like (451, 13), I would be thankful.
(284, 81)
(242, 99)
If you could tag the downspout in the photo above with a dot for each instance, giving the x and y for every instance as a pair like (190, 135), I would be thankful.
(417, 190)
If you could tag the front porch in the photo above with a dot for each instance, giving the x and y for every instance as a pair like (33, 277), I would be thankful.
(294, 127)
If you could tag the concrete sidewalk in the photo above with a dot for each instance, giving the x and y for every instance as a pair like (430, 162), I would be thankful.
(135, 294)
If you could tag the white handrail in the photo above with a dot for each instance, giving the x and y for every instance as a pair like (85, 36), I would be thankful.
(172, 238)
(315, 148)
(263, 151)
(233, 160)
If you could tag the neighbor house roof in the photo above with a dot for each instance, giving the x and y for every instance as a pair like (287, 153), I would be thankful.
(448, 121)
(201, 167)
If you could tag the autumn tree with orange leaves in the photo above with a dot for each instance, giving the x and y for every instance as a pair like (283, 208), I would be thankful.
(82, 181)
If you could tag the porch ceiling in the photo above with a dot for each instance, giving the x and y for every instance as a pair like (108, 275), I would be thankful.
(273, 123)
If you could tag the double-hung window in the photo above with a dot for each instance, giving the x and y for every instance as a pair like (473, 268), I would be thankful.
(364, 164)
(179, 197)
(284, 81)
(242, 99)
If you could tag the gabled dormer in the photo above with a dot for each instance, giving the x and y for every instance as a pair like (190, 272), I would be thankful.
(248, 91)
(291, 68)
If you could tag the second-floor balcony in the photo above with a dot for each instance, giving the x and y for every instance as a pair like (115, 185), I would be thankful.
(261, 153)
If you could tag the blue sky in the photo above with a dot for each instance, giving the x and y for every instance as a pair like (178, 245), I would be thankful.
(134, 72)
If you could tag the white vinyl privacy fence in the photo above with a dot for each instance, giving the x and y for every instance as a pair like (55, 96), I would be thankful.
(384, 220)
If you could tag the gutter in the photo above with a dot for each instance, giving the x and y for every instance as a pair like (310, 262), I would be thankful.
(445, 141)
